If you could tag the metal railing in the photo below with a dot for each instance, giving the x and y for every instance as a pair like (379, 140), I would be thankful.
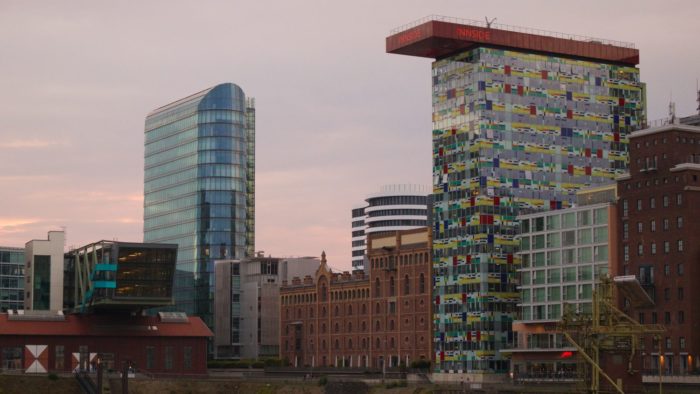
(517, 29)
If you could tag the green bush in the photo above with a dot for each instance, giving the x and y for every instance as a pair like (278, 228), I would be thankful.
(228, 364)
(322, 381)
(258, 364)
(274, 362)
(420, 364)
(53, 376)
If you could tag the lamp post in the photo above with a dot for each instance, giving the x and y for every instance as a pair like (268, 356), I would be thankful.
(661, 363)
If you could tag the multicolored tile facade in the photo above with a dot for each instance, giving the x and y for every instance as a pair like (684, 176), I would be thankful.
(512, 133)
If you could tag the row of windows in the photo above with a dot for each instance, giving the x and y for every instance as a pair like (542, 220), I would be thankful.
(583, 292)
(396, 212)
(400, 222)
(398, 200)
(565, 238)
(566, 256)
(680, 318)
(11, 257)
(390, 343)
(652, 226)
(652, 249)
(568, 274)
(652, 203)
(403, 259)
(358, 293)
(567, 220)
(347, 311)
(348, 327)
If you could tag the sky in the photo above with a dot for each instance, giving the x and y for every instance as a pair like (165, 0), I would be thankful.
(337, 117)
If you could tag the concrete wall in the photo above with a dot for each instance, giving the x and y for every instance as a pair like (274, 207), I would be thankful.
(52, 247)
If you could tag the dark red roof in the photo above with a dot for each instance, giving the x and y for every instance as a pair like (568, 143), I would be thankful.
(106, 326)
(437, 39)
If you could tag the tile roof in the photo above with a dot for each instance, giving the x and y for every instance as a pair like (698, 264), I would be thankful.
(106, 326)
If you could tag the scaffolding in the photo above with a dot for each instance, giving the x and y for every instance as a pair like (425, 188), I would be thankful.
(607, 329)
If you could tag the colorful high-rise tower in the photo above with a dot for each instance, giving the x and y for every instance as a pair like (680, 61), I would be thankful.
(521, 121)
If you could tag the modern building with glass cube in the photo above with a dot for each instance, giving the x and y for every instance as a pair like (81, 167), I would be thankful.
(199, 187)
(521, 121)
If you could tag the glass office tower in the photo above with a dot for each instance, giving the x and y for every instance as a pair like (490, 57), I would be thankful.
(11, 278)
(521, 121)
(199, 187)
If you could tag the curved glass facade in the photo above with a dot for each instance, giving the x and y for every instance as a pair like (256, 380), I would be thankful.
(199, 187)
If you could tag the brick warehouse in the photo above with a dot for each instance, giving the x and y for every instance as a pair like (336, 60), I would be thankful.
(659, 204)
(351, 320)
(164, 345)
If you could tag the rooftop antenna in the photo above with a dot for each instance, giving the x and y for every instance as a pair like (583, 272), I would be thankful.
(488, 23)
(672, 112)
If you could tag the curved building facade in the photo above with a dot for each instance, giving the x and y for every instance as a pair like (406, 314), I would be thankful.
(395, 207)
(199, 187)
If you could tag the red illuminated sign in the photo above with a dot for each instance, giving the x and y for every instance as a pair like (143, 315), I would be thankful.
(566, 354)
(409, 36)
(474, 34)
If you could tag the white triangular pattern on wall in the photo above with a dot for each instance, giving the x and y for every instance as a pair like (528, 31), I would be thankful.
(36, 367)
(32, 350)
(40, 349)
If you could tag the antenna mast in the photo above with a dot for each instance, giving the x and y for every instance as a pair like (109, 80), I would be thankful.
(489, 22)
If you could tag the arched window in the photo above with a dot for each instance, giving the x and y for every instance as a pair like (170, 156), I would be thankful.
(350, 343)
(364, 326)
(421, 284)
(364, 343)
(378, 344)
(393, 344)
(377, 308)
(287, 313)
(406, 285)
(349, 326)
(349, 310)
(337, 327)
(377, 326)
(337, 344)
(323, 328)
(364, 309)
(391, 325)
(323, 344)
(377, 288)
(324, 292)
(336, 313)
(392, 289)
(311, 329)
(323, 312)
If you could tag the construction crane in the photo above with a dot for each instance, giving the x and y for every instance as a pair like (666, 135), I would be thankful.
(608, 330)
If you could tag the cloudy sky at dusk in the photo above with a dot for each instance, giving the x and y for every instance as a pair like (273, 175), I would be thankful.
(337, 117)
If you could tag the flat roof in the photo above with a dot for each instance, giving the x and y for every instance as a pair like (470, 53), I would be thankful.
(105, 326)
(437, 37)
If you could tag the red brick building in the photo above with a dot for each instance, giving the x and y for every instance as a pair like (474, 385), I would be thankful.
(351, 320)
(164, 345)
(660, 242)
